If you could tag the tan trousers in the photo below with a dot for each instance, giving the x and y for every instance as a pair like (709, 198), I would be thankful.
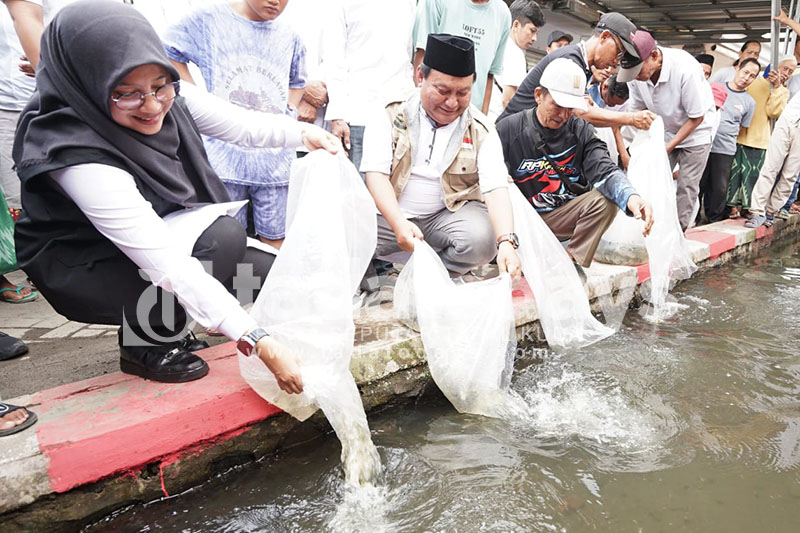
(583, 220)
(783, 152)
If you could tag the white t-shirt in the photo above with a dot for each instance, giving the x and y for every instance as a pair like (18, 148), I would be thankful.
(367, 56)
(793, 85)
(308, 19)
(423, 194)
(51, 7)
(515, 68)
(160, 13)
(681, 93)
(15, 87)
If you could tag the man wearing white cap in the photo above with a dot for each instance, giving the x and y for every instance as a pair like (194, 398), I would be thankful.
(563, 168)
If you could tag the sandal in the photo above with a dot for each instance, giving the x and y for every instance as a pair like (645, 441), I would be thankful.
(735, 213)
(6, 408)
(794, 209)
(755, 221)
(783, 214)
(769, 221)
(29, 298)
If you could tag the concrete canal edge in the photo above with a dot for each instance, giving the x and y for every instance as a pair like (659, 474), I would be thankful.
(109, 442)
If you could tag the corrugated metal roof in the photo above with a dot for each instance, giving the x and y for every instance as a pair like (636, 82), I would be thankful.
(682, 22)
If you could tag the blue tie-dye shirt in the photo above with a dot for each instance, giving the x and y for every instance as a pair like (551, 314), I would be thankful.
(251, 64)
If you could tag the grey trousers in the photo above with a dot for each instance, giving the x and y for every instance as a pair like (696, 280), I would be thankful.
(692, 163)
(464, 239)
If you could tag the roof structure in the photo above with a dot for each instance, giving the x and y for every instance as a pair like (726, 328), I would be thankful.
(693, 25)
(683, 22)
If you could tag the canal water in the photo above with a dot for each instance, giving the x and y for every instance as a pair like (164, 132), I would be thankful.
(692, 424)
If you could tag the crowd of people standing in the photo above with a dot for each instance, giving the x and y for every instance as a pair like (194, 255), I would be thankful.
(111, 129)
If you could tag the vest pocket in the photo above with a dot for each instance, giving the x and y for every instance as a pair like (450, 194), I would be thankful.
(463, 172)
(400, 148)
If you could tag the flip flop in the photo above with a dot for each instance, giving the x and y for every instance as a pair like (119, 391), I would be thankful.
(755, 221)
(6, 408)
(29, 298)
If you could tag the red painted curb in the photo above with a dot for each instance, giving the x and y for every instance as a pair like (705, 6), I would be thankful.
(718, 242)
(98, 430)
(521, 292)
(643, 271)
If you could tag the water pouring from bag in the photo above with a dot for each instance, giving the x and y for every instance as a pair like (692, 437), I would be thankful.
(306, 303)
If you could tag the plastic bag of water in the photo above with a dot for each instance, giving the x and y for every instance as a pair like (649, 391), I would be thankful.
(670, 259)
(561, 300)
(467, 331)
(306, 302)
(665, 248)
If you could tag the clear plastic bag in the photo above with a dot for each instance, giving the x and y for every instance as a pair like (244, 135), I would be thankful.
(563, 306)
(622, 243)
(669, 256)
(306, 302)
(467, 331)
(665, 249)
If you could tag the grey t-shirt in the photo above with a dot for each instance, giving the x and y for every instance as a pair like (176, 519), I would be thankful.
(737, 112)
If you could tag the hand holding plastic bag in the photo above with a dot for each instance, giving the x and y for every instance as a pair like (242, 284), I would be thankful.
(669, 256)
(564, 311)
(306, 302)
(467, 331)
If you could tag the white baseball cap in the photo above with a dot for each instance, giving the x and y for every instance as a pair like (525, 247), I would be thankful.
(566, 82)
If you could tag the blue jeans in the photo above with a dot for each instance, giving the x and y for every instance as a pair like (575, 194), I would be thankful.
(793, 196)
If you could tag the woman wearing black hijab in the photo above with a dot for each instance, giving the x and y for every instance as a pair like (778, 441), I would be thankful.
(106, 150)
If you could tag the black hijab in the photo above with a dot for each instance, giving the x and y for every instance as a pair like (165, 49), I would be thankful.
(87, 50)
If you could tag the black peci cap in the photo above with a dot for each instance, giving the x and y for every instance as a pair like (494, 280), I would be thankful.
(707, 59)
(450, 54)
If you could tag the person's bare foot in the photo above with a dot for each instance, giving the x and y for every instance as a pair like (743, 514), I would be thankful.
(12, 294)
(13, 419)
(735, 213)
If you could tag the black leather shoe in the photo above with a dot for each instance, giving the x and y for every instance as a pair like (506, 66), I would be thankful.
(170, 363)
(11, 347)
(192, 343)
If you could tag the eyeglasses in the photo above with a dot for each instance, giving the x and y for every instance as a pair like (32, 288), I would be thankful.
(618, 44)
(135, 100)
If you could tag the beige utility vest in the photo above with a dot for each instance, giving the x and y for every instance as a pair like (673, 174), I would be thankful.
(460, 180)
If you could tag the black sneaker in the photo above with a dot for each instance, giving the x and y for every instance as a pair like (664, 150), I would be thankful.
(171, 363)
(11, 347)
